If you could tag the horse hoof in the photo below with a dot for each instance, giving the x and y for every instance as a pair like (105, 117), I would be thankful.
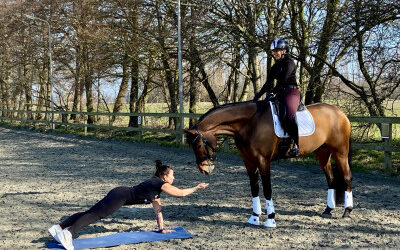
(270, 223)
(327, 213)
(327, 216)
(254, 220)
(347, 212)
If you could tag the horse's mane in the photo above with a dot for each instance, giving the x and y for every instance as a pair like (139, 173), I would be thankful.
(221, 107)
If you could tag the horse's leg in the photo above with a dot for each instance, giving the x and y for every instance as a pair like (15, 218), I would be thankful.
(345, 172)
(324, 158)
(252, 171)
(266, 182)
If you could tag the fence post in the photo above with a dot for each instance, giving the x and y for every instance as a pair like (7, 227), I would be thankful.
(140, 120)
(387, 137)
(84, 125)
(181, 127)
(226, 144)
(180, 137)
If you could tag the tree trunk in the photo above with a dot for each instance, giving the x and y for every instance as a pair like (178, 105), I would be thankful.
(195, 56)
(192, 92)
(28, 92)
(316, 87)
(134, 92)
(42, 91)
(247, 82)
(78, 82)
(300, 32)
(169, 76)
(141, 102)
(119, 100)
(4, 76)
(89, 90)
(254, 65)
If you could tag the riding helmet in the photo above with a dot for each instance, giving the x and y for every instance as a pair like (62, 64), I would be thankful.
(280, 44)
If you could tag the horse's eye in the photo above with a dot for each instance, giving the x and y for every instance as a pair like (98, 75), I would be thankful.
(198, 146)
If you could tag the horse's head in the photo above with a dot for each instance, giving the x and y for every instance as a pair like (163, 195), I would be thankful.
(203, 145)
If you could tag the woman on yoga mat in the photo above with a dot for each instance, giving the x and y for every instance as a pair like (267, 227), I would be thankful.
(145, 193)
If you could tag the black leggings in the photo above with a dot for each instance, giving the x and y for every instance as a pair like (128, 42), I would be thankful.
(115, 199)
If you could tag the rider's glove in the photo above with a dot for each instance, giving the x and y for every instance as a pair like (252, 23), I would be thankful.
(269, 96)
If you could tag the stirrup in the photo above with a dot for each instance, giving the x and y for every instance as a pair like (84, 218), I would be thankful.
(294, 152)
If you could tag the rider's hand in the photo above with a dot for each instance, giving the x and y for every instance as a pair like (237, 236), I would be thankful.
(269, 96)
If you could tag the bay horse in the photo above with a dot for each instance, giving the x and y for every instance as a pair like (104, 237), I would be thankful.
(251, 125)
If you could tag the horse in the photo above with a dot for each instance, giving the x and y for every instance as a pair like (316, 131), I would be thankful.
(251, 125)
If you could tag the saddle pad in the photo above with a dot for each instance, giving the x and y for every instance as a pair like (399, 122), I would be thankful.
(123, 238)
(305, 123)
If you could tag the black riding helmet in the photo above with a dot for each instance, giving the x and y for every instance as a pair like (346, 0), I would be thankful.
(280, 44)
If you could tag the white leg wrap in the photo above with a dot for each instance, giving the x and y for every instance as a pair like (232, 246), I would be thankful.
(255, 220)
(331, 200)
(270, 206)
(270, 223)
(348, 199)
(256, 205)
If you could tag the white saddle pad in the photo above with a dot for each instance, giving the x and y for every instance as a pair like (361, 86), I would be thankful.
(305, 123)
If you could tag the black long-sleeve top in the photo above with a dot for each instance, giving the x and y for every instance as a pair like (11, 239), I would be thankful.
(284, 71)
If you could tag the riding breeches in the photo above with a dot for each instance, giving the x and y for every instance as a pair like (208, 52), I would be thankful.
(290, 101)
(115, 199)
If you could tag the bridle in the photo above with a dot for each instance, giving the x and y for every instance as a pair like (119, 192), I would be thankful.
(207, 144)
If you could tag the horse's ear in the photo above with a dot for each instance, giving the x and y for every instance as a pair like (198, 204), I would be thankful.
(189, 135)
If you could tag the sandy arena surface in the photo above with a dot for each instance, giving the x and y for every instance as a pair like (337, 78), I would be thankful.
(47, 176)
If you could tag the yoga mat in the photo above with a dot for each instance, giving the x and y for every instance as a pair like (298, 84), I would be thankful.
(123, 238)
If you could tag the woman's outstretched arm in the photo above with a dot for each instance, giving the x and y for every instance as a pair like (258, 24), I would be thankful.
(175, 191)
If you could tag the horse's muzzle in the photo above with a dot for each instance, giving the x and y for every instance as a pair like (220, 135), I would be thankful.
(206, 167)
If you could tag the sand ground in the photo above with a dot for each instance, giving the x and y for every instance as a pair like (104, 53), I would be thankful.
(45, 177)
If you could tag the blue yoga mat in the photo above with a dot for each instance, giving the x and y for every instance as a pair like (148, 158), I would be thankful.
(123, 238)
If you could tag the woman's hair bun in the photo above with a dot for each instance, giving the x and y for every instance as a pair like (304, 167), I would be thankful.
(158, 163)
(161, 169)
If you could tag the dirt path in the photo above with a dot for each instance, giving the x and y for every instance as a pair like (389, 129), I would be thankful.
(45, 177)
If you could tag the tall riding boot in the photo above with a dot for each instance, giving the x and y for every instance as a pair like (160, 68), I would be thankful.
(294, 134)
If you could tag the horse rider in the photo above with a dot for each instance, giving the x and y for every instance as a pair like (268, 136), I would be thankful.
(284, 71)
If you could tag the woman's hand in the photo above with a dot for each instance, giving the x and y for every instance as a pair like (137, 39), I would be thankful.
(166, 231)
(202, 186)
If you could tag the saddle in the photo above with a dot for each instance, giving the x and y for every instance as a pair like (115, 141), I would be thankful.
(305, 121)
(305, 124)
(276, 103)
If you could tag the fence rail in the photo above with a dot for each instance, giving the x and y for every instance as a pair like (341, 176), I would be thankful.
(386, 124)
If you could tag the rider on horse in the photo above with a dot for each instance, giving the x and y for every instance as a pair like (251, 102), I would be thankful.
(284, 71)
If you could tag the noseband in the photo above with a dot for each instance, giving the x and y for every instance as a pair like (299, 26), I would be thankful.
(210, 157)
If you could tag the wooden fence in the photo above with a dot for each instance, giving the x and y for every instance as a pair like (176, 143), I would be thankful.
(6, 115)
